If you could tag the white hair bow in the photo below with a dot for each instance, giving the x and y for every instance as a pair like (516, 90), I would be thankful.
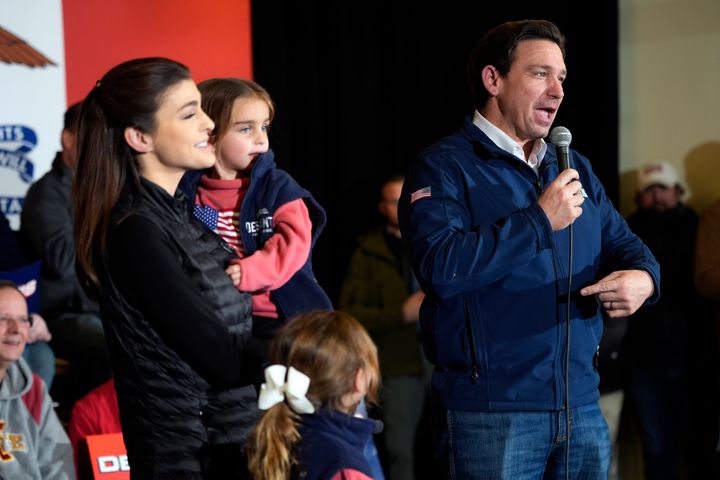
(276, 389)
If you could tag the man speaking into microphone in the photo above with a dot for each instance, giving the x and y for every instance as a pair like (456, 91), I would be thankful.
(512, 316)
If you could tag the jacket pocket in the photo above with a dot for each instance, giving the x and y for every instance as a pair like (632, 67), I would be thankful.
(471, 345)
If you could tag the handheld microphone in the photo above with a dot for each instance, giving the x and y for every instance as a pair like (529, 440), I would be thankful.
(561, 138)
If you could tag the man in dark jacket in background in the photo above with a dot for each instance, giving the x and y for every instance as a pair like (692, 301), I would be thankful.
(46, 226)
(663, 339)
(381, 291)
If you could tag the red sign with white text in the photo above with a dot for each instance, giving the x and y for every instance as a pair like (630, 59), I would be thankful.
(108, 457)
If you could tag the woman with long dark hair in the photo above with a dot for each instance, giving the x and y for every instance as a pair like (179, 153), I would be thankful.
(178, 330)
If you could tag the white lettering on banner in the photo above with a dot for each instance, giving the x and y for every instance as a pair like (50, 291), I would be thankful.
(10, 206)
(11, 133)
(12, 161)
(112, 464)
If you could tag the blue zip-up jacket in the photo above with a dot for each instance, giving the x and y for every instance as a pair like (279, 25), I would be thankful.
(271, 187)
(332, 445)
(496, 275)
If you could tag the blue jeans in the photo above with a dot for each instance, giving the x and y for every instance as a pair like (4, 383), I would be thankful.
(527, 445)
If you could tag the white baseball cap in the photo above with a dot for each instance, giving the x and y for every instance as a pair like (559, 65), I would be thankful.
(659, 173)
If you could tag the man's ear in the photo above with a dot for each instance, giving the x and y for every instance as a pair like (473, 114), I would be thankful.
(490, 77)
(138, 140)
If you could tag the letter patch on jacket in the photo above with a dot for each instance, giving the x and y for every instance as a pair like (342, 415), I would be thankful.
(262, 226)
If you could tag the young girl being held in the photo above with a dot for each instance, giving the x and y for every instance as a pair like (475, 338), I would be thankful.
(257, 208)
(324, 364)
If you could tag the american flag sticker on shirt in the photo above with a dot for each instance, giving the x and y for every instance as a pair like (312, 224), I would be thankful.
(418, 194)
(207, 215)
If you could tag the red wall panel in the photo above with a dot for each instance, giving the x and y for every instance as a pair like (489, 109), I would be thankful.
(212, 37)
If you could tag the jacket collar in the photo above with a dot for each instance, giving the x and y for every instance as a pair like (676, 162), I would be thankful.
(486, 148)
(158, 197)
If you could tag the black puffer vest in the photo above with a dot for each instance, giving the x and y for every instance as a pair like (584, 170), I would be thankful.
(175, 425)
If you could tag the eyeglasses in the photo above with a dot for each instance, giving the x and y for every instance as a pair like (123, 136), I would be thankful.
(22, 321)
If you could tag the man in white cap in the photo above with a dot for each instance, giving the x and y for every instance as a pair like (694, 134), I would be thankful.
(659, 337)
(659, 187)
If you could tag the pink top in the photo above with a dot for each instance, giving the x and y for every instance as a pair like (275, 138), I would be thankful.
(282, 255)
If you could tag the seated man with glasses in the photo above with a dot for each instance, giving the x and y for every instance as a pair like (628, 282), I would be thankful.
(33, 443)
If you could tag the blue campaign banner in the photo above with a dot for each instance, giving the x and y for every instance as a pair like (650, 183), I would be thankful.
(32, 84)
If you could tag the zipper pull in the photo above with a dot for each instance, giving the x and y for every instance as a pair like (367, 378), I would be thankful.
(474, 375)
(538, 186)
(596, 357)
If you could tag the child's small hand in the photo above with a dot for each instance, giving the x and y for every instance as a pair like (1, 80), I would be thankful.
(235, 273)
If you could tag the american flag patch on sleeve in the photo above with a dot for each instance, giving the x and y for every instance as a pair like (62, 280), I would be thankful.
(418, 194)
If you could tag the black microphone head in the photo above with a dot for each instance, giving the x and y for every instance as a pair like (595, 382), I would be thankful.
(560, 136)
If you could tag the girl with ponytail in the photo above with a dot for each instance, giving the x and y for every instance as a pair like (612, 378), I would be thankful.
(324, 364)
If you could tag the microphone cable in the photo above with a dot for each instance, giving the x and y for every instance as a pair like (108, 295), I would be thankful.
(561, 138)
(566, 366)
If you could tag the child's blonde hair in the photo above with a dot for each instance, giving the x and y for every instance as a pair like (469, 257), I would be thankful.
(218, 99)
(329, 347)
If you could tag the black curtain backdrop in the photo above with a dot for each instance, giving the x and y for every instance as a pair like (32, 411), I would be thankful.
(362, 87)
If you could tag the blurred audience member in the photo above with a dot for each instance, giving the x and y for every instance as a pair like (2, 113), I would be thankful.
(33, 443)
(47, 228)
(612, 367)
(97, 413)
(707, 281)
(707, 257)
(14, 267)
(381, 291)
(659, 336)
